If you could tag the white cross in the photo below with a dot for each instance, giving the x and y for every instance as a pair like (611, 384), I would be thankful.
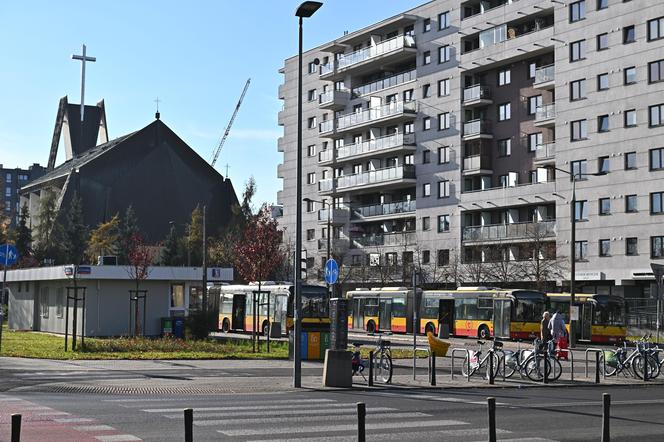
(157, 100)
(83, 58)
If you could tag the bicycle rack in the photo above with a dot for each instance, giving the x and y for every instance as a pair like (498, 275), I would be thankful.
(570, 354)
(467, 352)
(428, 352)
(596, 351)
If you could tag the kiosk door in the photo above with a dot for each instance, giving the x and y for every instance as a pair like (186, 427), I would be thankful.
(385, 315)
(239, 311)
(501, 318)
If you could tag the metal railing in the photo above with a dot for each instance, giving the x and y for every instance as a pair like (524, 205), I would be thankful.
(505, 187)
(476, 127)
(477, 92)
(510, 231)
(477, 162)
(377, 144)
(330, 96)
(386, 239)
(384, 209)
(325, 155)
(544, 151)
(326, 126)
(385, 83)
(545, 73)
(375, 113)
(326, 185)
(384, 47)
(335, 215)
(376, 176)
(545, 112)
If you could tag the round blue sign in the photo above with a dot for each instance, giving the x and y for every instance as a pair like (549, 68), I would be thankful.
(331, 271)
(8, 255)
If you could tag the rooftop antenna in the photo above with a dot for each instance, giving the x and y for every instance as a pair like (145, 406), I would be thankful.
(157, 114)
(227, 167)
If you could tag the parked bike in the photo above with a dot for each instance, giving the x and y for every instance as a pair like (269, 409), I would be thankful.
(533, 363)
(382, 360)
(480, 363)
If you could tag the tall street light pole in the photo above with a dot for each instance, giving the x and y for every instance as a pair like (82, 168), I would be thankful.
(305, 10)
(329, 226)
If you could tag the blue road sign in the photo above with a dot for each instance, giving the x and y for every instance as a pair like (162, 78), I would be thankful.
(8, 255)
(331, 271)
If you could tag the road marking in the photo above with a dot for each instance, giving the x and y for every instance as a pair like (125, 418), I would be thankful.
(397, 436)
(588, 404)
(88, 428)
(416, 396)
(252, 407)
(36, 408)
(9, 399)
(304, 419)
(323, 412)
(52, 413)
(117, 438)
(73, 420)
(338, 428)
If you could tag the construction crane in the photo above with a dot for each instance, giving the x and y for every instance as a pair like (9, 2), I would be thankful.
(217, 151)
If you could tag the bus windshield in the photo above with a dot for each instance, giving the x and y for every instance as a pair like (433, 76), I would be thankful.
(529, 310)
(609, 313)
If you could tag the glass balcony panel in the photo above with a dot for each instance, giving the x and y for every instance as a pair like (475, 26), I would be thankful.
(497, 232)
(393, 44)
(376, 176)
(545, 74)
(385, 209)
(385, 83)
(375, 113)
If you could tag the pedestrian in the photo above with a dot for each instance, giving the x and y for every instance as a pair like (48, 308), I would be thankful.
(557, 326)
(545, 333)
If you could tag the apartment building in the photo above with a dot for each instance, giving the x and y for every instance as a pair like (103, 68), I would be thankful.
(12, 180)
(447, 136)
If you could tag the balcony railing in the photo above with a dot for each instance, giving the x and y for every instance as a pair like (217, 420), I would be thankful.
(545, 112)
(377, 144)
(385, 47)
(336, 244)
(384, 209)
(376, 176)
(385, 83)
(375, 113)
(505, 187)
(386, 239)
(325, 155)
(477, 92)
(332, 95)
(336, 215)
(326, 68)
(476, 127)
(497, 232)
(545, 151)
(545, 74)
(326, 126)
(326, 185)
(477, 162)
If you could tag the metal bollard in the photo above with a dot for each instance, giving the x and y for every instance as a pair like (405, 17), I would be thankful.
(491, 380)
(597, 367)
(433, 369)
(361, 414)
(492, 418)
(644, 355)
(371, 362)
(606, 417)
(546, 369)
(16, 428)
(188, 425)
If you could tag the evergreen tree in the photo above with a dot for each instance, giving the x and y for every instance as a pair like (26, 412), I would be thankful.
(128, 229)
(49, 230)
(24, 233)
(104, 239)
(171, 254)
(195, 238)
(75, 233)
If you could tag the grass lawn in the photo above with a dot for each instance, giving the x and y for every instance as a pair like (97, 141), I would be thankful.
(47, 346)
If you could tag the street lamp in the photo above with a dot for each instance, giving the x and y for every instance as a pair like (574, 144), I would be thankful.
(305, 10)
(572, 278)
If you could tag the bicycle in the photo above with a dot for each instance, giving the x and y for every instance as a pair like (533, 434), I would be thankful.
(531, 362)
(479, 364)
(635, 363)
(383, 368)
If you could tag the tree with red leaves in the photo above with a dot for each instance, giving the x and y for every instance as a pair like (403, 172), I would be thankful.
(140, 257)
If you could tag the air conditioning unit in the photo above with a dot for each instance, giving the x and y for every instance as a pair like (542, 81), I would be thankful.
(107, 260)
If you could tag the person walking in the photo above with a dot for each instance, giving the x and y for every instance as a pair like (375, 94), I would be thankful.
(559, 334)
(545, 332)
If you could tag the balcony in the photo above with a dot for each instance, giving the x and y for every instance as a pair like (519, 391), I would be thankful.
(527, 231)
(477, 96)
(281, 91)
(336, 244)
(381, 177)
(334, 99)
(326, 185)
(387, 210)
(385, 239)
(477, 165)
(545, 153)
(394, 50)
(385, 83)
(545, 116)
(477, 129)
(392, 112)
(337, 216)
(325, 156)
(281, 171)
(545, 77)
(388, 143)
(326, 127)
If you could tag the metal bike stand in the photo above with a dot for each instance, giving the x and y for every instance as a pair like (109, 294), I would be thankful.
(428, 352)
(464, 350)
(571, 359)
(595, 351)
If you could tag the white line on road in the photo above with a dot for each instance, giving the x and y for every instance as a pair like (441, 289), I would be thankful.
(416, 396)
(73, 420)
(306, 419)
(88, 428)
(117, 438)
(252, 407)
(9, 399)
(254, 413)
(337, 428)
(52, 413)
(398, 436)
(587, 404)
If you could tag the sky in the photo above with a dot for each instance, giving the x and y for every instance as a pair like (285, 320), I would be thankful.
(195, 56)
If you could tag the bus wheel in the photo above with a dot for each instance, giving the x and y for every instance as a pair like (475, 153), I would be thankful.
(266, 328)
(371, 327)
(429, 328)
(483, 332)
(225, 326)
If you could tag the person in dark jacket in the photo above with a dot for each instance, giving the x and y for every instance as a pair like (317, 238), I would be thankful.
(545, 333)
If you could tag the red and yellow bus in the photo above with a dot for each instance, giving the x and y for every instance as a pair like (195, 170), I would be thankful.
(601, 317)
(381, 309)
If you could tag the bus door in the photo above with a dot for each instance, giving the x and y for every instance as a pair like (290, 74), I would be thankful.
(358, 315)
(385, 314)
(280, 311)
(586, 321)
(239, 311)
(445, 317)
(501, 317)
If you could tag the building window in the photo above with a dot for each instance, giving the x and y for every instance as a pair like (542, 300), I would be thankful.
(656, 29)
(177, 296)
(577, 11)
(579, 130)
(504, 77)
(8, 177)
(444, 53)
(426, 57)
(603, 165)
(604, 247)
(444, 257)
(311, 178)
(8, 193)
(605, 206)
(426, 156)
(443, 87)
(602, 41)
(656, 114)
(426, 189)
(504, 111)
(311, 234)
(602, 4)
(532, 69)
(581, 211)
(443, 20)
(311, 123)
(657, 246)
(311, 150)
(656, 71)
(409, 159)
(22, 177)
(577, 50)
(630, 204)
(534, 103)
(603, 123)
(657, 203)
(426, 123)
(578, 89)
(629, 34)
(311, 95)
(630, 118)
(630, 160)
(408, 128)
(657, 159)
(426, 91)
(535, 141)
(630, 75)
(426, 25)
(631, 246)
(426, 256)
(443, 223)
(426, 223)
(505, 147)
(43, 302)
(60, 302)
(443, 189)
(311, 206)
(443, 155)
(581, 250)
(444, 121)
(356, 260)
(313, 67)
(603, 82)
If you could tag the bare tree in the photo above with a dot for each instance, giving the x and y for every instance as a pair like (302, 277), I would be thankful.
(545, 265)
(502, 268)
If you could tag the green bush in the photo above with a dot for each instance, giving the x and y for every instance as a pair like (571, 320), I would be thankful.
(199, 324)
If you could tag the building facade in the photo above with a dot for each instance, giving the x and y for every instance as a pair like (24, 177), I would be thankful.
(12, 181)
(447, 137)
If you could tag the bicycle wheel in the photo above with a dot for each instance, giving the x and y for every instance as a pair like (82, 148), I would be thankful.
(464, 368)
(385, 365)
(556, 369)
(611, 364)
(534, 369)
(639, 366)
(496, 365)
(657, 368)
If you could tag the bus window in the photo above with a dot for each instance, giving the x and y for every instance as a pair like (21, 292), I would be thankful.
(560, 307)
(528, 310)
(398, 308)
(466, 309)
(609, 314)
(371, 307)
(226, 305)
(430, 308)
(485, 309)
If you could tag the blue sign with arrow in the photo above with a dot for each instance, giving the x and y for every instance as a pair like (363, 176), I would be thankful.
(331, 271)
(8, 255)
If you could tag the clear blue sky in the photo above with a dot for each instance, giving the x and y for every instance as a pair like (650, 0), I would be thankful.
(195, 56)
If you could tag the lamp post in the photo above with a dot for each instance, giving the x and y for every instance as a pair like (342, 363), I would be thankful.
(305, 10)
(572, 278)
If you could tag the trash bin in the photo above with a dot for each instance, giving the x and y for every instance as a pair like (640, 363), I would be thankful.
(166, 327)
(178, 327)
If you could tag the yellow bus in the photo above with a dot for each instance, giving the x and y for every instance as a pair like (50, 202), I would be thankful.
(381, 309)
(601, 317)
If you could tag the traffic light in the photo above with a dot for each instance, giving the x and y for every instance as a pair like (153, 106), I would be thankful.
(303, 266)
